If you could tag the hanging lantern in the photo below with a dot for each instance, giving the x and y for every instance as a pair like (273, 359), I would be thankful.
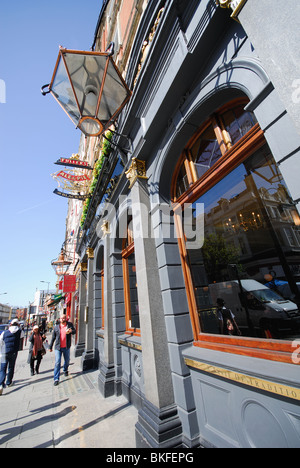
(61, 265)
(90, 89)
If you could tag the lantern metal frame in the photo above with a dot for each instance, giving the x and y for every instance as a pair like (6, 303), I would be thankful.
(80, 107)
(61, 265)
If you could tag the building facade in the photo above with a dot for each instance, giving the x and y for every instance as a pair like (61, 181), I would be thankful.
(196, 200)
(5, 313)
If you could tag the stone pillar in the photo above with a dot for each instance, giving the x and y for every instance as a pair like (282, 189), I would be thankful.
(107, 369)
(158, 423)
(80, 346)
(87, 360)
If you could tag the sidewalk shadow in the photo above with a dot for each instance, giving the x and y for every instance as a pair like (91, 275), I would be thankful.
(30, 381)
(21, 429)
(87, 426)
(36, 411)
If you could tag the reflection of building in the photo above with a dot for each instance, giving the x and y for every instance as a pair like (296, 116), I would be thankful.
(187, 135)
(241, 220)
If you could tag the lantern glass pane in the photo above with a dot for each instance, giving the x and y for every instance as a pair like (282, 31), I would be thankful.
(86, 73)
(62, 90)
(90, 127)
(114, 94)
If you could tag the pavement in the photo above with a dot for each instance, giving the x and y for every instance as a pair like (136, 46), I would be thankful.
(36, 414)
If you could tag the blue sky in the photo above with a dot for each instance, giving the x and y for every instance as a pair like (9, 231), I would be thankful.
(34, 133)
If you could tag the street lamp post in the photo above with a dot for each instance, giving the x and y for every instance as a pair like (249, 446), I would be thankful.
(47, 282)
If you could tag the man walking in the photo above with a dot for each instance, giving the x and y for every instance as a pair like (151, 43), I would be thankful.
(9, 346)
(62, 337)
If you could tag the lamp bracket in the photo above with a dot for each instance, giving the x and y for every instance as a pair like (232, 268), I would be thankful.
(110, 49)
(45, 92)
(117, 146)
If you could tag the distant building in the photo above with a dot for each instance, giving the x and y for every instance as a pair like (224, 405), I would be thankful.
(5, 311)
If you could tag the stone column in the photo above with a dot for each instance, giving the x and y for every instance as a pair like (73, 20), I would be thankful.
(87, 360)
(107, 369)
(158, 423)
(80, 346)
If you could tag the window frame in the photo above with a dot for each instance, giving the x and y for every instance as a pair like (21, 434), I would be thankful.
(271, 349)
(127, 250)
(102, 295)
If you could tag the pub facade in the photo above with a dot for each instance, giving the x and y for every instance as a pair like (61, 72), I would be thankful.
(189, 246)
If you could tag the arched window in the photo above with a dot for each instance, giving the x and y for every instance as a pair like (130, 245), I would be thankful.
(130, 284)
(241, 282)
(215, 138)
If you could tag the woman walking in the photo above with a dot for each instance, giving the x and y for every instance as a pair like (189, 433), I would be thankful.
(36, 349)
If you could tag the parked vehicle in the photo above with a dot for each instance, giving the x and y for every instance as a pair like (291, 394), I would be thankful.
(282, 288)
(258, 308)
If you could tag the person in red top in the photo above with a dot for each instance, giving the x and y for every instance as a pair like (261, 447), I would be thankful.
(62, 337)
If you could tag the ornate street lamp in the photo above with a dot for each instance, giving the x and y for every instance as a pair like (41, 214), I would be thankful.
(89, 88)
(61, 265)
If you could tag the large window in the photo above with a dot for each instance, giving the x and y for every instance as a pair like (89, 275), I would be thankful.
(102, 292)
(242, 284)
(130, 285)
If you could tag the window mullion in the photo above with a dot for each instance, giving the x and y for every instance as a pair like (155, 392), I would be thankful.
(221, 135)
(190, 168)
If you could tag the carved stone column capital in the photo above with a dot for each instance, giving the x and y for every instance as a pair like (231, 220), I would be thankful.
(137, 170)
(105, 227)
(90, 252)
(234, 5)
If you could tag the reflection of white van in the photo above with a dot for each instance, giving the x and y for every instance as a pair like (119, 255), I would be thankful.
(266, 309)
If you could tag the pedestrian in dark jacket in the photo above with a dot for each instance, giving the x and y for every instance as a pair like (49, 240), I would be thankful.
(61, 336)
(36, 349)
(9, 345)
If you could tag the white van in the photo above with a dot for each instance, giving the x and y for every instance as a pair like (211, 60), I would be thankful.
(251, 300)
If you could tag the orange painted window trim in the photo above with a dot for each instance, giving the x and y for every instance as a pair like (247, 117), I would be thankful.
(126, 252)
(102, 297)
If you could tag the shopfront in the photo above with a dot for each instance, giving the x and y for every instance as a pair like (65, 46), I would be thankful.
(194, 315)
(234, 294)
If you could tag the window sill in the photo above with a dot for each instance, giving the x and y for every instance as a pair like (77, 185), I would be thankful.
(100, 333)
(240, 367)
(130, 342)
(272, 350)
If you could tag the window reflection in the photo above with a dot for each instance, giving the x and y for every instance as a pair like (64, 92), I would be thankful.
(130, 282)
(134, 321)
(245, 275)
(237, 123)
(205, 152)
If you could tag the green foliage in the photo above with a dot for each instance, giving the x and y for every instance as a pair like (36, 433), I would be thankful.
(85, 210)
(104, 153)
